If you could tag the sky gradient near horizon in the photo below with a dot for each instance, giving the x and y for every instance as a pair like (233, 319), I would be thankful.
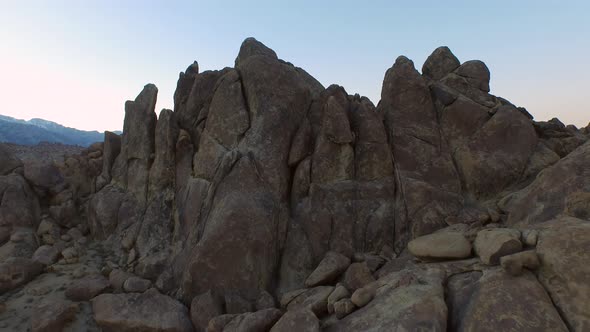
(76, 62)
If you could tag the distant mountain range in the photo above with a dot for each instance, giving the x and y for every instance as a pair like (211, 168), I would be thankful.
(34, 131)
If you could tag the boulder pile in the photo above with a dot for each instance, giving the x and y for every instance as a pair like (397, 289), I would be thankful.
(266, 202)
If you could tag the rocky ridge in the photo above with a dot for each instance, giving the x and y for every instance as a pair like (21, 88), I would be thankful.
(266, 202)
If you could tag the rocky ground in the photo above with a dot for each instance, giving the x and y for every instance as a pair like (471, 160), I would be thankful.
(266, 202)
(43, 303)
(55, 152)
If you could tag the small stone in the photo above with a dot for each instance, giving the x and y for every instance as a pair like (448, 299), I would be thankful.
(357, 275)
(331, 266)
(491, 244)
(66, 238)
(339, 293)
(362, 296)
(46, 226)
(117, 278)
(75, 234)
(374, 262)
(265, 301)
(47, 239)
(17, 237)
(494, 215)
(136, 285)
(106, 270)
(343, 308)
(530, 237)
(46, 255)
(132, 256)
(39, 290)
(83, 240)
(83, 229)
(79, 272)
(513, 264)
(69, 252)
(59, 245)
(387, 253)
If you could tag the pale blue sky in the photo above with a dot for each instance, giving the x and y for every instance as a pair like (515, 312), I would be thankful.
(76, 62)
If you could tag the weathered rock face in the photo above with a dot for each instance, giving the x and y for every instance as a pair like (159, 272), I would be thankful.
(429, 186)
(112, 148)
(262, 185)
(131, 168)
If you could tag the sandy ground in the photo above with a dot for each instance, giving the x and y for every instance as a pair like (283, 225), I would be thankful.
(16, 305)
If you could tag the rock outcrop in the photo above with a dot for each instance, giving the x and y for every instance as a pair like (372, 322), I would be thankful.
(265, 201)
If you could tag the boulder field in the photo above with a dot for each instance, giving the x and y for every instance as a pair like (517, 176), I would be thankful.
(266, 202)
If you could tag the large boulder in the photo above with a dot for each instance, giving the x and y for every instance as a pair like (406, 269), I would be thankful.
(54, 315)
(495, 157)
(495, 301)
(46, 255)
(564, 251)
(404, 301)
(17, 271)
(19, 206)
(300, 320)
(88, 287)
(261, 320)
(44, 176)
(314, 299)
(440, 63)
(205, 307)
(449, 245)
(329, 269)
(477, 74)
(549, 194)
(149, 311)
(103, 211)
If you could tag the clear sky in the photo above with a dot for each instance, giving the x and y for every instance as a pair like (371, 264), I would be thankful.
(76, 62)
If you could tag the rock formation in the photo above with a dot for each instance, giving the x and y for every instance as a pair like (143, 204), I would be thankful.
(265, 201)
